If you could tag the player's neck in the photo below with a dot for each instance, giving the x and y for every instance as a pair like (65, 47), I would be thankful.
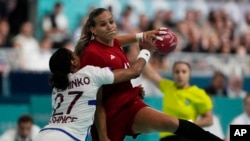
(75, 69)
(184, 86)
(107, 43)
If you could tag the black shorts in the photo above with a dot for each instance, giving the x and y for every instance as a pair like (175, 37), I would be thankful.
(174, 138)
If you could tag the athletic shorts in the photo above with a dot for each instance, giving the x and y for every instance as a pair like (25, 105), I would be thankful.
(120, 125)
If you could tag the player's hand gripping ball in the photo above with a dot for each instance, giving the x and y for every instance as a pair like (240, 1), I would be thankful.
(168, 44)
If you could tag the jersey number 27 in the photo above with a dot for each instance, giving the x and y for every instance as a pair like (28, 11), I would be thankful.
(60, 96)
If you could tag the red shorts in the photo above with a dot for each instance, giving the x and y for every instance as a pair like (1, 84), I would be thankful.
(120, 125)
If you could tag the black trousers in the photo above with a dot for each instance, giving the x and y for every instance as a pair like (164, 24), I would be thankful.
(174, 138)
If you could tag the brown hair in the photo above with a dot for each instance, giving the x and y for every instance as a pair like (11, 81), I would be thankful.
(218, 74)
(182, 62)
(86, 33)
(25, 118)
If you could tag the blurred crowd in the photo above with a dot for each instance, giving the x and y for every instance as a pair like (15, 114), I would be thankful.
(217, 31)
(27, 52)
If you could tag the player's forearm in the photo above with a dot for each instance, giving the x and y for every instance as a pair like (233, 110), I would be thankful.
(205, 120)
(134, 71)
(126, 39)
(152, 75)
(100, 121)
(138, 67)
(100, 118)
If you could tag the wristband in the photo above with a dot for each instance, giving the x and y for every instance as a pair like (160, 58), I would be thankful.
(145, 54)
(139, 36)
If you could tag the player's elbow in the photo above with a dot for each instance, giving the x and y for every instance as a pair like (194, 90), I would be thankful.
(210, 121)
(136, 72)
(133, 72)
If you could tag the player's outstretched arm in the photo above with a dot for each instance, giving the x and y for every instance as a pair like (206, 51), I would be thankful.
(143, 36)
(152, 75)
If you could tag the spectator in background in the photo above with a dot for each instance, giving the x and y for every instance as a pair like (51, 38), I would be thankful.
(16, 12)
(225, 48)
(38, 61)
(235, 86)
(232, 9)
(180, 43)
(127, 20)
(4, 33)
(241, 51)
(190, 30)
(69, 45)
(44, 55)
(168, 19)
(194, 41)
(27, 46)
(25, 40)
(244, 118)
(78, 31)
(158, 62)
(2, 44)
(210, 38)
(143, 22)
(245, 41)
(218, 85)
(245, 25)
(26, 130)
(3, 9)
(55, 26)
(157, 21)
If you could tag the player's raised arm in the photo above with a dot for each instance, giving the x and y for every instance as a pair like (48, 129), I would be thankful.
(143, 36)
(152, 74)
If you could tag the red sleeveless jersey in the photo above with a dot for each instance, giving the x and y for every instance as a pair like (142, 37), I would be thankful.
(115, 96)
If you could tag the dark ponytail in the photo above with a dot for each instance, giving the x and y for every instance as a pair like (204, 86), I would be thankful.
(86, 33)
(60, 64)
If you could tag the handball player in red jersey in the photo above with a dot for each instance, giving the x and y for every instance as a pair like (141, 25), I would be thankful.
(126, 113)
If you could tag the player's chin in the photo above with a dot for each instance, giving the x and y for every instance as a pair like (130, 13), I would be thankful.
(180, 84)
(112, 34)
